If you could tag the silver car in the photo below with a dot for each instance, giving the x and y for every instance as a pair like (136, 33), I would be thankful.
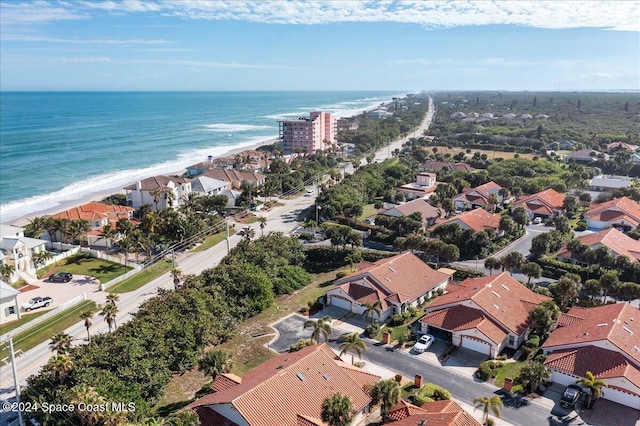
(422, 344)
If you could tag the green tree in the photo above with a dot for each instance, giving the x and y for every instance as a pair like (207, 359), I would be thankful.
(337, 410)
(108, 234)
(562, 224)
(534, 373)
(40, 258)
(354, 344)
(566, 290)
(492, 263)
(488, 404)
(570, 205)
(176, 273)
(109, 312)
(371, 310)
(60, 344)
(321, 328)
(387, 394)
(593, 385)
(543, 317)
(531, 270)
(520, 216)
(6, 271)
(87, 316)
(263, 223)
(36, 226)
(248, 233)
(512, 261)
(60, 365)
(608, 282)
(214, 363)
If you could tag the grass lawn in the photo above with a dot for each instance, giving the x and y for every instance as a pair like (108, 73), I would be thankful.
(81, 265)
(509, 369)
(141, 278)
(247, 348)
(24, 318)
(213, 240)
(57, 324)
(368, 210)
(490, 154)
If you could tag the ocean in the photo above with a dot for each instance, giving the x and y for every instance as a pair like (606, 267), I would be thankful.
(58, 148)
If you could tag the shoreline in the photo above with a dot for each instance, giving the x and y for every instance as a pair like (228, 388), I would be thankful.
(99, 195)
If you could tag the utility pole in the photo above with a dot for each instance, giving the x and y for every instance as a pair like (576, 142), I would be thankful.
(226, 225)
(16, 382)
(173, 258)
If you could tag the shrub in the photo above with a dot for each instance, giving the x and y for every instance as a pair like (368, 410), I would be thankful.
(396, 319)
(398, 377)
(421, 400)
(581, 226)
(434, 392)
(372, 330)
(406, 315)
(488, 369)
(301, 344)
(341, 274)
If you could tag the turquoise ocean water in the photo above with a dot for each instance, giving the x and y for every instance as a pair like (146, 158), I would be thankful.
(60, 147)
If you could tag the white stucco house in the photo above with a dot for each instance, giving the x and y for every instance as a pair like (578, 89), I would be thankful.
(17, 251)
(160, 192)
(9, 308)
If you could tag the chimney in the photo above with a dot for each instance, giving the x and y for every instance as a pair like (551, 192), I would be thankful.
(417, 381)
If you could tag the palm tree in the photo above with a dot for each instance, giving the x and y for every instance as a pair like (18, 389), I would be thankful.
(41, 257)
(511, 261)
(493, 201)
(387, 393)
(594, 385)
(6, 271)
(108, 234)
(60, 344)
(488, 403)
(531, 270)
(337, 410)
(60, 365)
(354, 344)
(534, 373)
(177, 276)
(87, 316)
(321, 327)
(249, 233)
(492, 263)
(109, 312)
(371, 310)
(157, 195)
(263, 223)
(214, 363)
(37, 225)
(113, 298)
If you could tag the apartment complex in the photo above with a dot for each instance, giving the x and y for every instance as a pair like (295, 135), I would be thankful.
(307, 135)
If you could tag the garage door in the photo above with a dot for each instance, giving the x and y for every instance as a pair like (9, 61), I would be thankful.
(340, 302)
(476, 345)
(623, 398)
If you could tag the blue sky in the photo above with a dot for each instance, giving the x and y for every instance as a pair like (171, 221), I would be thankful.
(319, 45)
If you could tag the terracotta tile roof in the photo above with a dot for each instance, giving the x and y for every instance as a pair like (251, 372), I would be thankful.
(438, 413)
(615, 210)
(404, 274)
(365, 291)
(280, 390)
(232, 175)
(460, 317)
(462, 167)
(308, 421)
(96, 211)
(614, 240)
(417, 206)
(478, 220)
(500, 297)
(603, 363)
(225, 381)
(623, 145)
(156, 182)
(618, 323)
(541, 202)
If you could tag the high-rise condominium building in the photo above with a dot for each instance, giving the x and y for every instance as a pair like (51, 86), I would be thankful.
(318, 132)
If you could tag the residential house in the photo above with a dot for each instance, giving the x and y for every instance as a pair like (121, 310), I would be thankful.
(602, 183)
(440, 413)
(478, 196)
(97, 215)
(458, 115)
(566, 144)
(204, 185)
(477, 220)
(160, 192)
(350, 123)
(436, 166)
(615, 146)
(9, 308)
(604, 340)
(509, 116)
(237, 178)
(379, 113)
(308, 135)
(622, 213)
(17, 251)
(427, 211)
(211, 163)
(486, 314)
(617, 243)
(546, 204)
(584, 156)
(398, 283)
(423, 187)
(286, 390)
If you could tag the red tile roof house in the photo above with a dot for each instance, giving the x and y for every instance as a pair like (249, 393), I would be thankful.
(436, 413)
(484, 314)
(477, 197)
(423, 187)
(620, 213)
(615, 241)
(145, 192)
(419, 205)
(604, 340)
(478, 220)
(397, 283)
(287, 390)
(236, 177)
(97, 215)
(546, 204)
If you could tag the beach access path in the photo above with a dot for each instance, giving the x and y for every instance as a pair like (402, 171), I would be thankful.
(280, 219)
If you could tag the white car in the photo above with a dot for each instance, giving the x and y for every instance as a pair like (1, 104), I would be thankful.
(422, 344)
(537, 220)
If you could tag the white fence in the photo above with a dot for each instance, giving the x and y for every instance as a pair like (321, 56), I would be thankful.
(41, 318)
(116, 280)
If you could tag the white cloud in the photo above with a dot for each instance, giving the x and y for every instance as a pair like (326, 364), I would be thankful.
(612, 15)
(205, 64)
(87, 60)
(31, 38)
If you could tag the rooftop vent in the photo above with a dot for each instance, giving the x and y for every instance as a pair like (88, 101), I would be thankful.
(495, 294)
(388, 279)
(504, 286)
(604, 324)
(300, 376)
(635, 348)
(326, 376)
(391, 269)
(627, 330)
(496, 306)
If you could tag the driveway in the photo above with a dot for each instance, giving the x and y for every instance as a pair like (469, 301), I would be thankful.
(62, 292)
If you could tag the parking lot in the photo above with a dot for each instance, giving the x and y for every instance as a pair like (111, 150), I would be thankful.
(62, 292)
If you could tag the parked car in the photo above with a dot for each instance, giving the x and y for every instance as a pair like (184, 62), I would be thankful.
(422, 344)
(537, 220)
(61, 277)
(37, 302)
(570, 396)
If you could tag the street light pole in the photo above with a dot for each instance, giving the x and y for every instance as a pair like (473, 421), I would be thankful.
(226, 225)
(16, 382)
